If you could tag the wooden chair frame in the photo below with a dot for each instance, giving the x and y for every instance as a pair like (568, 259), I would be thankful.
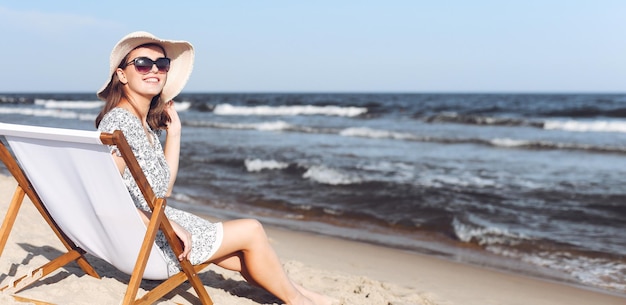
(158, 221)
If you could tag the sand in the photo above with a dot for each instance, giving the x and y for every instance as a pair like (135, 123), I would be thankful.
(351, 272)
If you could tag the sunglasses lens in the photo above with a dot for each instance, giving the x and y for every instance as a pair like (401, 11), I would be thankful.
(143, 65)
(163, 64)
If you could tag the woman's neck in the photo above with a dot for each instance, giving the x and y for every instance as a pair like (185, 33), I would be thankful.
(138, 106)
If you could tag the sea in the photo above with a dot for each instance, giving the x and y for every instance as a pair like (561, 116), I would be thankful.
(525, 183)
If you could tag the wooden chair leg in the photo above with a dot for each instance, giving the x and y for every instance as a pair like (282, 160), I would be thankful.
(9, 219)
(174, 281)
(158, 215)
(25, 280)
(196, 283)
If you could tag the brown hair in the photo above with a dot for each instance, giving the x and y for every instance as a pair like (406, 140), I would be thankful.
(157, 117)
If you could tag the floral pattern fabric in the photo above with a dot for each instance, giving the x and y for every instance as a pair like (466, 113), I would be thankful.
(206, 236)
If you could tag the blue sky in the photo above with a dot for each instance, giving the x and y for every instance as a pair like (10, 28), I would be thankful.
(328, 46)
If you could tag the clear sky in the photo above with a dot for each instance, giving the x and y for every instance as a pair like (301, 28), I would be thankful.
(328, 46)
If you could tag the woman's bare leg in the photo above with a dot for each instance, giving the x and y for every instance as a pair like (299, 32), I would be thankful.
(236, 263)
(246, 248)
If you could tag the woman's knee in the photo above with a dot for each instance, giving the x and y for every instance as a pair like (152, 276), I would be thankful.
(255, 227)
(248, 227)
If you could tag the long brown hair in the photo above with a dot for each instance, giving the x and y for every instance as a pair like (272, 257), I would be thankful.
(157, 117)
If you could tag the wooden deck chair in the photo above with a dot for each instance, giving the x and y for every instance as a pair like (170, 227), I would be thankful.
(71, 178)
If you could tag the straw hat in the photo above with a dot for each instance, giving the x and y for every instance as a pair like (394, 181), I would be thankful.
(180, 52)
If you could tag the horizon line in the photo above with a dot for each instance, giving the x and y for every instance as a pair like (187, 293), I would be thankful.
(341, 92)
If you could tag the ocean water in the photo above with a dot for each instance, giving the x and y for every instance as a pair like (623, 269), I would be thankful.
(524, 182)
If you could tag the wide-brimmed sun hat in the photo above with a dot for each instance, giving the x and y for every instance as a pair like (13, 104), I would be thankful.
(180, 52)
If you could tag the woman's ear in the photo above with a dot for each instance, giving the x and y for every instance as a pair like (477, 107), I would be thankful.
(122, 76)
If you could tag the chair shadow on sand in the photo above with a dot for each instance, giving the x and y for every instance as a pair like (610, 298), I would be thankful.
(209, 278)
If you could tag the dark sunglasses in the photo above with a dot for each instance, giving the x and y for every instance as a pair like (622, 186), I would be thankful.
(143, 65)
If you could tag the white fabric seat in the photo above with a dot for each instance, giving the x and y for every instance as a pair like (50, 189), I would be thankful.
(70, 175)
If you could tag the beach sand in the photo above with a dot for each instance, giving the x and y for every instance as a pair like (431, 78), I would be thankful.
(352, 272)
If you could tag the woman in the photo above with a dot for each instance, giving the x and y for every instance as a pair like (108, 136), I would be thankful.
(145, 74)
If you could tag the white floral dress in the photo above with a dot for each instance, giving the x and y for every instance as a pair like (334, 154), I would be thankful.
(206, 236)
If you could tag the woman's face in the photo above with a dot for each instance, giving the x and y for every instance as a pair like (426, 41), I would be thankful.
(149, 84)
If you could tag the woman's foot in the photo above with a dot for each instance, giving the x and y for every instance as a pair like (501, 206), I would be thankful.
(316, 298)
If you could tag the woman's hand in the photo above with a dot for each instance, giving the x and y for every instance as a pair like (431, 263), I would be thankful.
(185, 237)
(181, 232)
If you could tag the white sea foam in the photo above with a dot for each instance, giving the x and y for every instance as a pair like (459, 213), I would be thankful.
(464, 181)
(586, 126)
(257, 165)
(591, 271)
(57, 104)
(275, 126)
(365, 132)
(181, 197)
(60, 104)
(325, 175)
(388, 166)
(333, 212)
(506, 142)
(397, 171)
(55, 113)
(182, 106)
(228, 109)
(485, 235)
(278, 125)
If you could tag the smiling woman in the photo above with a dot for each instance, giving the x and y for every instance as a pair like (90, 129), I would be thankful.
(145, 74)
